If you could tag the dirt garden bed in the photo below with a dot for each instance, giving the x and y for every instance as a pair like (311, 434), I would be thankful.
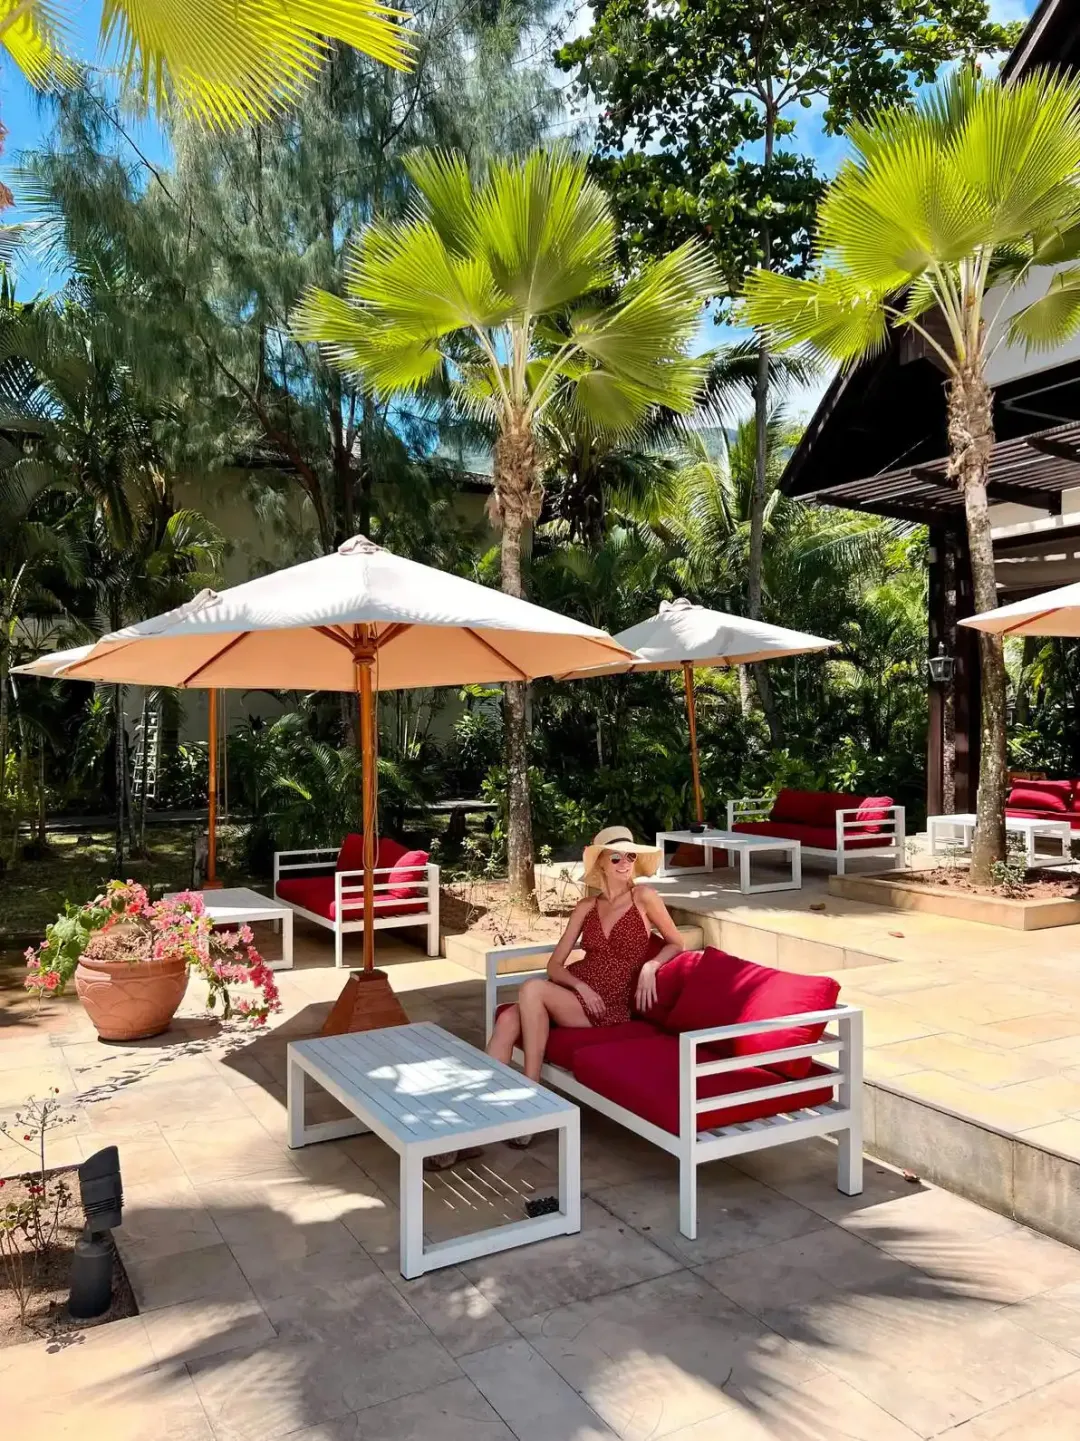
(1048, 899)
(45, 1277)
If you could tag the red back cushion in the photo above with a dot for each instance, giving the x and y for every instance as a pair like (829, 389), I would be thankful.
(795, 806)
(387, 853)
(713, 992)
(351, 855)
(1037, 796)
(874, 811)
(784, 993)
(670, 980)
(409, 867)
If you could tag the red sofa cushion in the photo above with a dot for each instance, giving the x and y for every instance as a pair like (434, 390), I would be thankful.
(799, 806)
(713, 992)
(643, 1076)
(785, 993)
(822, 838)
(564, 1042)
(724, 990)
(670, 980)
(1073, 817)
(351, 855)
(874, 811)
(1039, 797)
(316, 893)
(406, 872)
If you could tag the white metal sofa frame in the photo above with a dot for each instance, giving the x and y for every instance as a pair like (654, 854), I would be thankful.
(349, 891)
(842, 1117)
(848, 826)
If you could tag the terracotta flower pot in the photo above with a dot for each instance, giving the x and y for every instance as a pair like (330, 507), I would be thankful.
(129, 999)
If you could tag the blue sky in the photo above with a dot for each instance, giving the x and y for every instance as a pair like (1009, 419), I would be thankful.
(28, 121)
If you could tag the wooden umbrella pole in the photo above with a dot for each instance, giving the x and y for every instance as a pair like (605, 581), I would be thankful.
(363, 661)
(212, 883)
(691, 717)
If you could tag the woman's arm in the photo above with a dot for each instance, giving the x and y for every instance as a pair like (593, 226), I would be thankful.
(657, 915)
(557, 969)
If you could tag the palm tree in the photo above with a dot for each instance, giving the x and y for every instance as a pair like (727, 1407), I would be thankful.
(503, 291)
(941, 213)
(226, 62)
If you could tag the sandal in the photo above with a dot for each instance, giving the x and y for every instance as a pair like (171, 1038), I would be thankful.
(443, 1160)
(521, 1143)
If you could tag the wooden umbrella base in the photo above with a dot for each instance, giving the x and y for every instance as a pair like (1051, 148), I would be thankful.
(367, 1003)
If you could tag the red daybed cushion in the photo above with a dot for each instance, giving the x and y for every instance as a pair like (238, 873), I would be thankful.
(643, 1076)
(670, 979)
(564, 1042)
(724, 990)
(1073, 817)
(351, 855)
(316, 893)
(1040, 798)
(822, 838)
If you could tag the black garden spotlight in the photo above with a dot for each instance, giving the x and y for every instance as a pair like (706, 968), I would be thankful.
(102, 1194)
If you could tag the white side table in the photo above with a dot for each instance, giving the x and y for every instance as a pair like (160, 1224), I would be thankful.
(744, 846)
(424, 1091)
(232, 907)
(958, 830)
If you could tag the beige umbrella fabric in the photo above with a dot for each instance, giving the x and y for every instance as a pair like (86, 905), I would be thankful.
(1055, 612)
(682, 636)
(361, 619)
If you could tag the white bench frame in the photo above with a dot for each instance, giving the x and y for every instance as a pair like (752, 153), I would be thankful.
(349, 890)
(848, 826)
(693, 1148)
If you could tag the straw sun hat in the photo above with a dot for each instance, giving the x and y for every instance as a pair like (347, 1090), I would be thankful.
(619, 838)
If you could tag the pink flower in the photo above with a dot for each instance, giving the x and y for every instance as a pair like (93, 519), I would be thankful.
(50, 980)
(30, 956)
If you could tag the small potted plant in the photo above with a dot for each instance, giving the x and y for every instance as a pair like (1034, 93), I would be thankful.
(131, 958)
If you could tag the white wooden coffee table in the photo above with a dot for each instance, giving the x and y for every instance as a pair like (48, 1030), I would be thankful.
(423, 1091)
(957, 830)
(744, 847)
(235, 906)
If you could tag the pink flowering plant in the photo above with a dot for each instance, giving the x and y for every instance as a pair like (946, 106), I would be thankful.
(138, 930)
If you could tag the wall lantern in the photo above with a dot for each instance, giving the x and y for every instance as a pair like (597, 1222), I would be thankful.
(940, 667)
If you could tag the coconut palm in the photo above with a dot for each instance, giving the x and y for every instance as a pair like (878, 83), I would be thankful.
(227, 62)
(503, 291)
(939, 216)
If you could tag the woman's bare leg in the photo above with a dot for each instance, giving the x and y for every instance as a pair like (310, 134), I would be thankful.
(540, 1003)
(506, 1034)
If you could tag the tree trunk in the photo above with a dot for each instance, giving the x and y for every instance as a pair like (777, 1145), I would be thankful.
(515, 503)
(5, 661)
(41, 817)
(761, 458)
(971, 439)
(948, 699)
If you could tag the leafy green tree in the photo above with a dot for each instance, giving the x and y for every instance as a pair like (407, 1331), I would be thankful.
(499, 291)
(696, 132)
(940, 215)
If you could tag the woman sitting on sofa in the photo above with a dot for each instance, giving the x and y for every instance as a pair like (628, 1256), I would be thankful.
(615, 930)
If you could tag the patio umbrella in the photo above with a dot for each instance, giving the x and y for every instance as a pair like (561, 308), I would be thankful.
(683, 636)
(53, 667)
(361, 619)
(1055, 612)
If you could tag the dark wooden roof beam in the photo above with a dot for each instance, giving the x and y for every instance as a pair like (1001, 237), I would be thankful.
(999, 490)
(1061, 449)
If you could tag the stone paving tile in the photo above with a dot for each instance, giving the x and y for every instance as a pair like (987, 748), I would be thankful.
(366, 1312)
(208, 1274)
(1057, 1135)
(205, 1328)
(458, 1314)
(664, 1354)
(276, 1272)
(163, 1220)
(1047, 1413)
(99, 1357)
(603, 1257)
(1054, 1315)
(531, 1397)
(454, 1411)
(120, 1410)
(735, 1213)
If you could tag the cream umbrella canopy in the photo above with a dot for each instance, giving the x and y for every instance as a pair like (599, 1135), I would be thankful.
(1055, 612)
(361, 619)
(683, 636)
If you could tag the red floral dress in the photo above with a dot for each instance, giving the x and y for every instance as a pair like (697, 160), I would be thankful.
(611, 963)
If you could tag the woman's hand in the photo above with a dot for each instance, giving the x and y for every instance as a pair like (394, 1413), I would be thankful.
(591, 1002)
(645, 995)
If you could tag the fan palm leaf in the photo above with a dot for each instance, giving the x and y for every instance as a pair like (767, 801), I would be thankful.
(226, 62)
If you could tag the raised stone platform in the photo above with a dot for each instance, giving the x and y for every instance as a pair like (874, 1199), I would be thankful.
(972, 1034)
